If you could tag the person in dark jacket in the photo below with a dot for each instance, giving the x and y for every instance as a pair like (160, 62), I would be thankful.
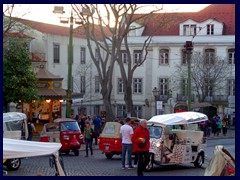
(141, 136)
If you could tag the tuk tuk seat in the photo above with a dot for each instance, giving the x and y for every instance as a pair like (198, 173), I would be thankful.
(189, 136)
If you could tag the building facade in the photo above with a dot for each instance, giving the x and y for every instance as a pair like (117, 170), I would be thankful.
(211, 31)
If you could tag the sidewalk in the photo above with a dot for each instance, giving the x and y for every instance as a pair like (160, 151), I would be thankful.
(230, 134)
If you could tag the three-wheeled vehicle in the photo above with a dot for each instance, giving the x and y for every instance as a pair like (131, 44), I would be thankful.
(221, 164)
(13, 149)
(14, 127)
(171, 146)
(66, 131)
(109, 141)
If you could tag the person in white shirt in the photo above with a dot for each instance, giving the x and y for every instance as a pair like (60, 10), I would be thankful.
(126, 132)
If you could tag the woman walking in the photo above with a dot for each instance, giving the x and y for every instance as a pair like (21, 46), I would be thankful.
(88, 137)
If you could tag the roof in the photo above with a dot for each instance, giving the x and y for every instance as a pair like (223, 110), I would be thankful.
(52, 93)
(45, 74)
(17, 34)
(160, 24)
(178, 118)
(60, 30)
(13, 116)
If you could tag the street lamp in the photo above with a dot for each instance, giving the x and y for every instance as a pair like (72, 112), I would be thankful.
(189, 48)
(155, 92)
(59, 10)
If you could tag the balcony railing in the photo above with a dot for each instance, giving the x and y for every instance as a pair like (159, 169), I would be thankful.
(217, 99)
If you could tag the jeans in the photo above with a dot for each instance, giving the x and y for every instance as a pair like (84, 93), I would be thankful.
(88, 143)
(127, 148)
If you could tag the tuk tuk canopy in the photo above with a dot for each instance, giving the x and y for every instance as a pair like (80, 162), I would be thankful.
(13, 148)
(13, 116)
(179, 118)
(111, 130)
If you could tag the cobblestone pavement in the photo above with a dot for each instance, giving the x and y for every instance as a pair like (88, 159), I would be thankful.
(99, 165)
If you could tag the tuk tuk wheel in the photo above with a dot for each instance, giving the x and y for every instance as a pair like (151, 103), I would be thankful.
(149, 166)
(13, 164)
(76, 152)
(109, 155)
(199, 161)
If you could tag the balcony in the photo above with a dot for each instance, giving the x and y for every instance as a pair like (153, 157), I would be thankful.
(217, 99)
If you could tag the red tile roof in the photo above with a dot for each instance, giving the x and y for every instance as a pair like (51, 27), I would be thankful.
(60, 30)
(17, 34)
(43, 74)
(161, 24)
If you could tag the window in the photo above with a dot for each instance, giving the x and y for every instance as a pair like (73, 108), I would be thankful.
(184, 87)
(163, 56)
(231, 87)
(83, 55)
(120, 86)
(184, 57)
(137, 85)
(189, 30)
(163, 84)
(208, 88)
(231, 56)
(138, 111)
(209, 56)
(56, 53)
(124, 57)
(137, 56)
(97, 55)
(83, 85)
(121, 111)
(97, 84)
(210, 29)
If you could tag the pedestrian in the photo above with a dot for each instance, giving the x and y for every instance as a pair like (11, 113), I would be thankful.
(209, 127)
(224, 125)
(72, 116)
(31, 129)
(219, 127)
(134, 126)
(97, 128)
(126, 132)
(141, 141)
(88, 137)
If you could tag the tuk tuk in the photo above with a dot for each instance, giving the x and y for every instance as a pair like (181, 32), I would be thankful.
(109, 141)
(221, 164)
(16, 149)
(65, 131)
(14, 127)
(175, 139)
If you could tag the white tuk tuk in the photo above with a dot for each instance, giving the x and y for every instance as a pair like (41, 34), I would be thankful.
(175, 139)
(14, 127)
(13, 149)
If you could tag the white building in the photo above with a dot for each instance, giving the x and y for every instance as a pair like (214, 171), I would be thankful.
(211, 30)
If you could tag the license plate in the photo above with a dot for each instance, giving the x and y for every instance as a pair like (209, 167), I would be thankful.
(106, 148)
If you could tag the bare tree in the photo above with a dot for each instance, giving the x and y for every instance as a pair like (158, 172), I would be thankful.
(114, 28)
(208, 75)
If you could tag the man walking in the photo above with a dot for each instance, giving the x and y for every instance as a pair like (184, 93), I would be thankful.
(126, 132)
(141, 141)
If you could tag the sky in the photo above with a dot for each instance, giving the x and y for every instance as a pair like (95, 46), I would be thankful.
(44, 12)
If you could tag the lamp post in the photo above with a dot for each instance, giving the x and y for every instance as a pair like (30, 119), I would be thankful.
(59, 10)
(155, 92)
(189, 48)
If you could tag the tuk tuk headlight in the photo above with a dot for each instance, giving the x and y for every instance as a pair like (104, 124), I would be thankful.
(158, 144)
(81, 136)
(66, 137)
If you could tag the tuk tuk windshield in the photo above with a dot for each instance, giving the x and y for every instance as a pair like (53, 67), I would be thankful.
(13, 125)
(155, 131)
(70, 126)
